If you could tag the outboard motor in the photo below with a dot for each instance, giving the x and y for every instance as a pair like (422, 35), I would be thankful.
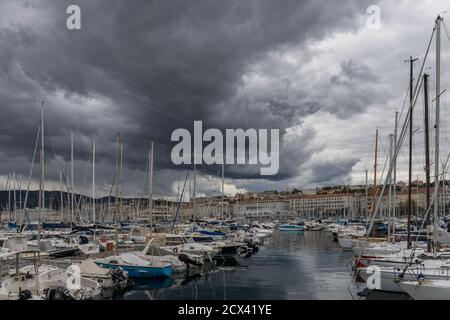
(25, 295)
(185, 258)
(120, 279)
(57, 293)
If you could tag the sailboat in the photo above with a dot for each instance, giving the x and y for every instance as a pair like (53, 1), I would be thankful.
(41, 282)
(430, 278)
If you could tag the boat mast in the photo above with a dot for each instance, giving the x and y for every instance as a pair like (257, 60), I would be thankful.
(150, 184)
(223, 174)
(375, 174)
(14, 197)
(395, 178)
(117, 205)
(42, 175)
(194, 195)
(19, 184)
(93, 183)
(61, 195)
(8, 183)
(120, 181)
(427, 156)
(367, 196)
(391, 160)
(443, 188)
(411, 80)
(71, 180)
(438, 103)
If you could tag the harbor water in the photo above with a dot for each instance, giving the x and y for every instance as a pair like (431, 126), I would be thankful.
(293, 265)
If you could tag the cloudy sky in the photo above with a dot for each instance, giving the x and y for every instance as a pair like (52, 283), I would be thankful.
(313, 69)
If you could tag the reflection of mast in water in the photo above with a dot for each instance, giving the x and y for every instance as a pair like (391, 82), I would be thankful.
(196, 290)
(224, 287)
(212, 288)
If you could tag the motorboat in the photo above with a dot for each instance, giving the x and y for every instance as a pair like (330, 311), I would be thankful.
(135, 266)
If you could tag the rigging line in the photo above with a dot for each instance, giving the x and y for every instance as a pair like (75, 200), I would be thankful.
(426, 215)
(403, 131)
(395, 156)
(404, 103)
(384, 147)
(214, 191)
(445, 29)
(146, 178)
(50, 137)
(30, 175)
(181, 197)
(81, 195)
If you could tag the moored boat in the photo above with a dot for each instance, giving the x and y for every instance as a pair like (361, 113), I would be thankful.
(135, 266)
(290, 227)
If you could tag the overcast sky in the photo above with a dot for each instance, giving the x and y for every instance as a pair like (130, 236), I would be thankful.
(312, 69)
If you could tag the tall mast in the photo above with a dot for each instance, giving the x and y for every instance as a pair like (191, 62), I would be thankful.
(117, 181)
(61, 195)
(42, 175)
(395, 177)
(375, 174)
(427, 155)
(438, 104)
(443, 188)
(150, 184)
(19, 184)
(120, 181)
(411, 80)
(194, 195)
(93, 183)
(391, 160)
(71, 180)
(8, 183)
(14, 196)
(375, 161)
(223, 174)
(367, 195)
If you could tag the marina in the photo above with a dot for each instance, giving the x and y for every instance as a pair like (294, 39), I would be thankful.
(236, 151)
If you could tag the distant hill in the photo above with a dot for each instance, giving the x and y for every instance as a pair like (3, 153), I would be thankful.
(53, 199)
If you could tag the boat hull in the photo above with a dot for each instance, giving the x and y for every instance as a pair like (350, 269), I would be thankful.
(426, 290)
(290, 228)
(139, 271)
(388, 278)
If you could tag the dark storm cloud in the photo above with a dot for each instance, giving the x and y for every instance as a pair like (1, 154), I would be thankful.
(146, 68)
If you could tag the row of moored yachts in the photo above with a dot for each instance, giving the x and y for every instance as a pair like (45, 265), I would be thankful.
(88, 262)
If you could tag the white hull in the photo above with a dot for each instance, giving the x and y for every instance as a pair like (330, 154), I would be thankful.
(389, 277)
(427, 290)
(346, 244)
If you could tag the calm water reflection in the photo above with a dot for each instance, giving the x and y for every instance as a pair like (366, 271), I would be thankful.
(293, 265)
